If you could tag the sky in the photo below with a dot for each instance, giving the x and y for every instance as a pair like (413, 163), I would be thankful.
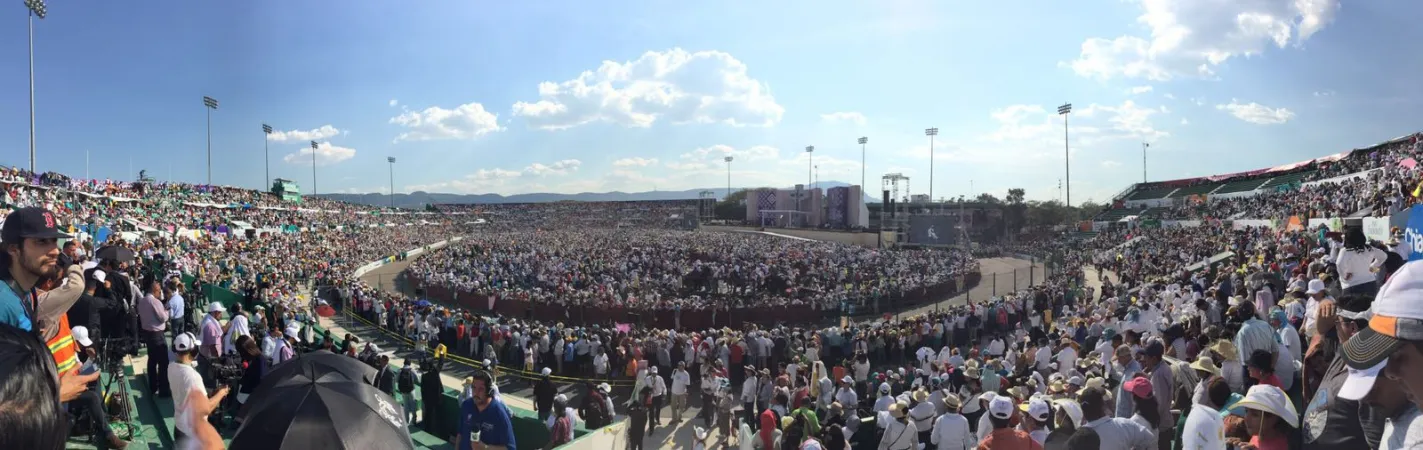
(641, 95)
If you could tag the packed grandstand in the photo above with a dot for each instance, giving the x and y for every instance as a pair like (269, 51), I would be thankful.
(1185, 274)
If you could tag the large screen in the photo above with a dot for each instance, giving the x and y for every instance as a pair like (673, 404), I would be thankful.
(933, 230)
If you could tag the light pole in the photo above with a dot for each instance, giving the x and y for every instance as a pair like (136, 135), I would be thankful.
(931, 132)
(267, 153)
(728, 177)
(817, 173)
(809, 163)
(313, 167)
(391, 160)
(1063, 111)
(863, 141)
(1143, 161)
(210, 104)
(37, 8)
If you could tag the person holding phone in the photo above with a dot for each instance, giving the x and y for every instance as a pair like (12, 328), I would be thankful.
(90, 399)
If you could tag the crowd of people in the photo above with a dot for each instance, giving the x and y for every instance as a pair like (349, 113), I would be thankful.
(690, 270)
(1387, 176)
(1297, 339)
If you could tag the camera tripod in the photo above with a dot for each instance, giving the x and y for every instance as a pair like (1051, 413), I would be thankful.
(110, 362)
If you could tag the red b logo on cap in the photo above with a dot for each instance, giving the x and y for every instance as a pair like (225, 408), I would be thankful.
(48, 220)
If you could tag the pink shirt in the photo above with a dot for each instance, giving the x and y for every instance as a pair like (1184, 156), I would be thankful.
(152, 315)
(212, 336)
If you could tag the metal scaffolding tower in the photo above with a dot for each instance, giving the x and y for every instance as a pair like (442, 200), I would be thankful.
(894, 216)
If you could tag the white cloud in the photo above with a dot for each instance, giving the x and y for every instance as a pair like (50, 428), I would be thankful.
(325, 132)
(326, 154)
(1323, 93)
(562, 167)
(481, 181)
(673, 85)
(1256, 113)
(687, 166)
(466, 121)
(844, 117)
(1109, 164)
(1169, 96)
(1141, 90)
(717, 153)
(1184, 121)
(392, 102)
(1194, 37)
(635, 162)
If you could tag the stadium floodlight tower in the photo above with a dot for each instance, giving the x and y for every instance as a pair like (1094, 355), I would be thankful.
(728, 177)
(809, 180)
(1064, 111)
(863, 141)
(266, 151)
(36, 8)
(209, 104)
(391, 161)
(931, 132)
(313, 167)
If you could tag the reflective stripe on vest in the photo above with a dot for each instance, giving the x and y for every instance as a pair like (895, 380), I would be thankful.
(62, 347)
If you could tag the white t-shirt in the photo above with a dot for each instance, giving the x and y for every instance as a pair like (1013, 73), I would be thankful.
(1405, 432)
(680, 380)
(1204, 429)
(183, 379)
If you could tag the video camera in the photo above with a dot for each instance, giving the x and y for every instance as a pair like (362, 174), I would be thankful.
(226, 370)
(111, 352)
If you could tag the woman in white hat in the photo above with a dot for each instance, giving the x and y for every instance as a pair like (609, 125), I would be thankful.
(899, 431)
(1270, 418)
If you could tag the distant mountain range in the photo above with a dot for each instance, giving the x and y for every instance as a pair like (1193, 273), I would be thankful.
(418, 199)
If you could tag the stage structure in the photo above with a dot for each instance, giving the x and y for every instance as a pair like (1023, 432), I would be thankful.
(839, 207)
(894, 213)
(706, 205)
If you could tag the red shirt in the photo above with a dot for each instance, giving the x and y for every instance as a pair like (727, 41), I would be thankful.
(1272, 380)
(1009, 439)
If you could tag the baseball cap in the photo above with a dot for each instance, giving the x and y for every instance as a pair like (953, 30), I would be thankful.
(1315, 286)
(216, 307)
(1000, 408)
(1397, 316)
(30, 223)
(1155, 348)
(100, 276)
(81, 335)
(1139, 386)
(1037, 409)
(185, 342)
(1361, 381)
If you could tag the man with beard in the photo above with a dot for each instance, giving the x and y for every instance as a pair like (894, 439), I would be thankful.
(31, 253)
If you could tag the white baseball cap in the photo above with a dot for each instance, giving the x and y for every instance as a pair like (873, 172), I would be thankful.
(1037, 409)
(1360, 382)
(1000, 407)
(185, 342)
(547, 371)
(216, 307)
(81, 335)
(99, 276)
(1315, 286)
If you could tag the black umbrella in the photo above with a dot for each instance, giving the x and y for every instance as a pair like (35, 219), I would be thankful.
(318, 406)
(115, 253)
(321, 365)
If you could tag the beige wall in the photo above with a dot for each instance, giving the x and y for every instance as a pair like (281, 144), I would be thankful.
(844, 237)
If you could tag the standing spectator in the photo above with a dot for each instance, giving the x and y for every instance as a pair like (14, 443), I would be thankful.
(177, 312)
(680, 380)
(1358, 262)
(153, 320)
(486, 413)
(406, 382)
(212, 346)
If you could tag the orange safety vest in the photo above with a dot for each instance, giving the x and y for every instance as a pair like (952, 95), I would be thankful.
(66, 356)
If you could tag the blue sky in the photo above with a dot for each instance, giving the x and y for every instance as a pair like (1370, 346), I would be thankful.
(476, 97)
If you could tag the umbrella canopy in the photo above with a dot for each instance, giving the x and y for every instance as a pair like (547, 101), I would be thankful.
(116, 253)
(317, 406)
(423, 303)
(319, 366)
